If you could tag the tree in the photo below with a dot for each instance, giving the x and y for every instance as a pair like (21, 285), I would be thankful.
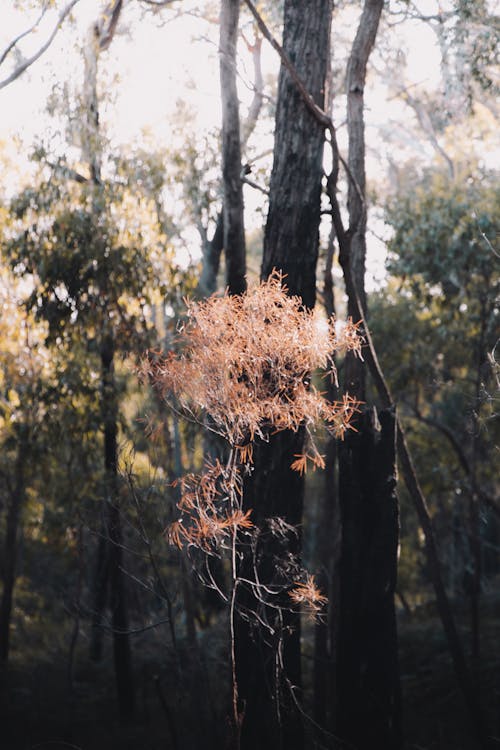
(290, 245)
(367, 693)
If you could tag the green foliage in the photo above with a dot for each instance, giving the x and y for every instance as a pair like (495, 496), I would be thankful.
(435, 327)
(442, 235)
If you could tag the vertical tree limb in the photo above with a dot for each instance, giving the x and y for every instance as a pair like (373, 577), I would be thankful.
(233, 210)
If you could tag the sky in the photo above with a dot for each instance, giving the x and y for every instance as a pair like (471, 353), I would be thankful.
(157, 59)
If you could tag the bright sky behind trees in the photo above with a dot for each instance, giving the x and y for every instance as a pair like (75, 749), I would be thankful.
(157, 60)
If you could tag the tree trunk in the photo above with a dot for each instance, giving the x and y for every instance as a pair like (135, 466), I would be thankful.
(268, 661)
(234, 230)
(268, 656)
(327, 541)
(211, 250)
(14, 507)
(291, 233)
(367, 711)
(366, 676)
(117, 588)
(355, 370)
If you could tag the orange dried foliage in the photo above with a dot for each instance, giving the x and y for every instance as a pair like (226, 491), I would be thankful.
(246, 360)
(307, 594)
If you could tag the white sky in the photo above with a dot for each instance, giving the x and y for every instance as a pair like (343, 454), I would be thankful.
(162, 58)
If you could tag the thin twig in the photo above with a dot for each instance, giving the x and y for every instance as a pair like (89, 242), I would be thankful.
(27, 63)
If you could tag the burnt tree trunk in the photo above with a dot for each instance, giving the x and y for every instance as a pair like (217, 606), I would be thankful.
(268, 660)
(367, 710)
(355, 371)
(268, 645)
(233, 224)
(291, 233)
(109, 580)
(211, 250)
(366, 673)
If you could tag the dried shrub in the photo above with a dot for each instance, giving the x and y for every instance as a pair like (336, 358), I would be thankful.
(246, 362)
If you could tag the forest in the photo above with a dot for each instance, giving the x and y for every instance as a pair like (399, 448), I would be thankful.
(249, 375)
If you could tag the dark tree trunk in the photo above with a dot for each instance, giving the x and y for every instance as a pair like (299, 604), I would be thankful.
(234, 229)
(268, 663)
(355, 370)
(211, 250)
(109, 581)
(291, 234)
(9, 561)
(270, 716)
(366, 674)
(367, 711)
(117, 588)
(327, 540)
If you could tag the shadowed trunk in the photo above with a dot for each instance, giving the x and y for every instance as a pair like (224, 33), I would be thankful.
(268, 648)
(268, 662)
(366, 674)
(233, 224)
(367, 711)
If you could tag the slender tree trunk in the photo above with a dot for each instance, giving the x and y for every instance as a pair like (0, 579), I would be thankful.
(327, 541)
(211, 251)
(367, 695)
(109, 574)
(267, 646)
(355, 370)
(14, 507)
(99, 594)
(117, 588)
(268, 660)
(234, 228)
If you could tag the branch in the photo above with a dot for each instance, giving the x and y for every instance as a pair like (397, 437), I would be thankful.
(113, 14)
(27, 63)
(17, 39)
(258, 97)
(158, 3)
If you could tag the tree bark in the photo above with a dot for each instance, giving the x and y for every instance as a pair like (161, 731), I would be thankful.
(291, 233)
(355, 370)
(367, 709)
(211, 250)
(109, 573)
(268, 656)
(233, 225)
(268, 662)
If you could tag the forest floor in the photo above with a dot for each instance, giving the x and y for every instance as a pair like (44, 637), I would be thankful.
(41, 710)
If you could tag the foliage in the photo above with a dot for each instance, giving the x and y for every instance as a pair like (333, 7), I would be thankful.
(439, 312)
(246, 361)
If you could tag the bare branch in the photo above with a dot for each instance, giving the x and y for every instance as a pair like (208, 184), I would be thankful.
(17, 39)
(27, 63)
(158, 3)
(113, 14)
